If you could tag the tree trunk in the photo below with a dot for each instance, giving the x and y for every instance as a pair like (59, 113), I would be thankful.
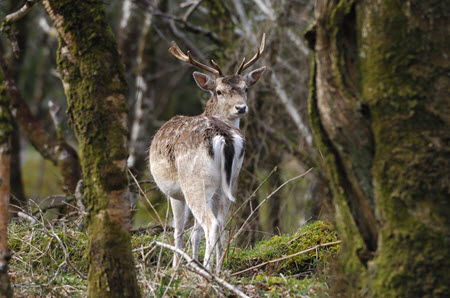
(94, 83)
(6, 129)
(380, 113)
(57, 151)
(16, 183)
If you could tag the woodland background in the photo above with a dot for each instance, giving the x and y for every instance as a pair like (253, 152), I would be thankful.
(355, 94)
(159, 87)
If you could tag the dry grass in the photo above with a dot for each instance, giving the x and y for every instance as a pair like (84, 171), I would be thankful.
(40, 268)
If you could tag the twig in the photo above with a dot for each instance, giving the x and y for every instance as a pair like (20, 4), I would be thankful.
(292, 110)
(12, 18)
(202, 271)
(53, 204)
(25, 216)
(287, 257)
(267, 198)
(195, 51)
(54, 235)
(148, 201)
(147, 4)
(251, 196)
(191, 9)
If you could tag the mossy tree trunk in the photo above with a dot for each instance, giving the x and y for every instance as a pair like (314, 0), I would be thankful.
(94, 83)
(380, 112)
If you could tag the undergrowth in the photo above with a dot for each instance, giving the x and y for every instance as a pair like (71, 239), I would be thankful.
(40, 268)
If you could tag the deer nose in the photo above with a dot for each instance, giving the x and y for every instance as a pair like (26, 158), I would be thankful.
(241, 109)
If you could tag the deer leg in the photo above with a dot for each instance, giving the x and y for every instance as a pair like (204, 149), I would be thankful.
(205, 217)
(178, 211)
(196, 236)
(223, 204)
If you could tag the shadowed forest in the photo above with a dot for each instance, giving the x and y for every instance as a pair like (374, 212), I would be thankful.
(344, 185)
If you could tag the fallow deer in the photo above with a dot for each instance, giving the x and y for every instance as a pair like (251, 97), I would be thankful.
(195, 161)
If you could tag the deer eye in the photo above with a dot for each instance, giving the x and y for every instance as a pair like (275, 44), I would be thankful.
(246, 89)
(219, 92)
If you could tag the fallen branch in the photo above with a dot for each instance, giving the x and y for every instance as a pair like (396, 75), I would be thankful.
(287, 257)
(54, 204)
(196, 267)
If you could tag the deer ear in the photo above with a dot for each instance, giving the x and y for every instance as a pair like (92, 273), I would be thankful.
(204, 81)
(253, 77)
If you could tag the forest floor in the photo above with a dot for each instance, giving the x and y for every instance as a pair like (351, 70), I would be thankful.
(51, 261)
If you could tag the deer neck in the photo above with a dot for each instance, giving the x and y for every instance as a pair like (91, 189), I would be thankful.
(211, 111)
(235, 122)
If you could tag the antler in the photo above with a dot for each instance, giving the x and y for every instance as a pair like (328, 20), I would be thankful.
(255, 58)
(175, 50)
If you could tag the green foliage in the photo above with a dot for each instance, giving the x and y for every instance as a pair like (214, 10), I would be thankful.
(310, 235)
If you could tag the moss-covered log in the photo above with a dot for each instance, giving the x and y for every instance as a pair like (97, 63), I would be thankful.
(94, 83)
(380, 112)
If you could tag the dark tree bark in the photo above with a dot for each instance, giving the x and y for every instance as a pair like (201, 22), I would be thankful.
(57, 151)
(380, 112)
(17, 191)
(6, 129)
(16, 184)
(93, 79)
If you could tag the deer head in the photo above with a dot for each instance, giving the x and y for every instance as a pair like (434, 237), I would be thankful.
(228, 93)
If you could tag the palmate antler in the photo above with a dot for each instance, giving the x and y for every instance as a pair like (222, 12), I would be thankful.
(255, 58)
(175, 50)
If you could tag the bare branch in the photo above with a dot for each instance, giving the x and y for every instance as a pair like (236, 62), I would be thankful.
(266, 9)
(147, 4)
(191, 9)
(12, 18)
(292, 111)
(173, 28)
(57, 151)
(200, 270)
(148, 201)
(263, 201)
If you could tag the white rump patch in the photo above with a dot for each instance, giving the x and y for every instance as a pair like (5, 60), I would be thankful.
(218, 144)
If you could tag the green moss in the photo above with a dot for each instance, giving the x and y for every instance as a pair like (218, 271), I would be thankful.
(280, 246)
(346, 226)
(95, 86)
(6, 127)
(104, 235)
(403, 59)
